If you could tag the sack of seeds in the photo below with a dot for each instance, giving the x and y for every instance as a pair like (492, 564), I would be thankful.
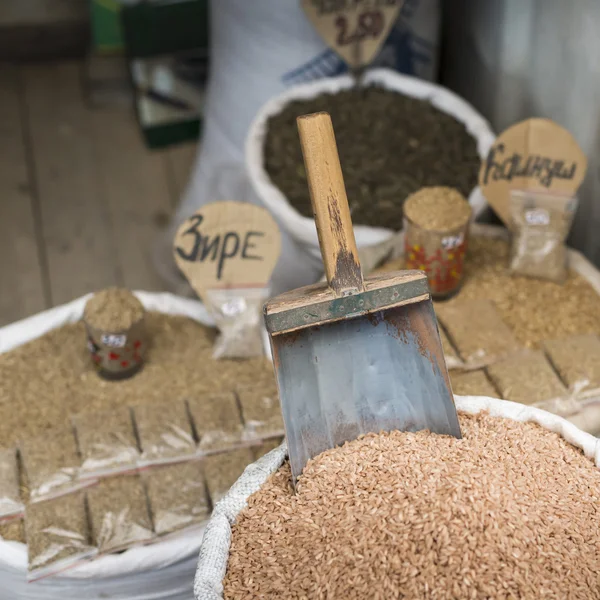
(541, 223)
(10, 496)
(530, 480)
(238, 316)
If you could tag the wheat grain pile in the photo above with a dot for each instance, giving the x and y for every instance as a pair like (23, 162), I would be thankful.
(510, 511)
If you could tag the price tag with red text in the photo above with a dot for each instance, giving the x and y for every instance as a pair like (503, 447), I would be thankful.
(355, 29)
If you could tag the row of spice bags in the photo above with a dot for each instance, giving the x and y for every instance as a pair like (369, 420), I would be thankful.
(126, 511)
(477, 342)
(103, 444)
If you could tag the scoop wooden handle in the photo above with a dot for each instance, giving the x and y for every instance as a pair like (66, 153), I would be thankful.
(330, 204)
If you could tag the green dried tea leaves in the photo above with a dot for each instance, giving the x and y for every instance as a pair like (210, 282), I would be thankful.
(477, 331)
(222, 471)
(577, 360)
(58, 536)
(178, 497)
(119, 514)
(164, 431)
(217, 421)
(10, 496)
(51, 463)
(260, 410)
(540, 224)
(527, 377)
(472, 383)
(107, 442)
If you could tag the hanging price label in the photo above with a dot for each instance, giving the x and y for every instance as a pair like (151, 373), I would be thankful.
(228, 244)
(355, 29)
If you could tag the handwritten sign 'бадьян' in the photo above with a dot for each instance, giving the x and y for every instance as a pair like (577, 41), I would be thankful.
(228, 244)
(533, 155)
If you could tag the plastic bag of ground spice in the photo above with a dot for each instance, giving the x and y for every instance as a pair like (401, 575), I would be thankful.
(178, 497)
(58, 535)
(577, 360)
(217, 421)
(540, 224)
(528, 377)
(238, 316)
(472, 383)
(164, 431)
(222, 470)
(477, 330)
(52, 464)
(10, 495)
(107, 442)
(119, 514)
(260, 410)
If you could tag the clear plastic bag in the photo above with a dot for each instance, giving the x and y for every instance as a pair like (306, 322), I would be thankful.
(238, 316)
(540, 223)
(260, 410)
(107, 442)
(58, 535)
(217, 421)
(11, 505)
(577, 360)
(52, 464)
(119, 514)
(223, 470)
(178, 497)
(164, 432)
(477, 331)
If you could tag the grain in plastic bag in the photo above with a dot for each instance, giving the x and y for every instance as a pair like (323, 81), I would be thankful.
(217, 421)
(472, 383)
(266, 447)
(540, 224)
(107, 442)
(528, 377)
(164, 431)
(239, 318)
(577, 360)
(178, 497)
(13, 530)
(58, 535)
(51, 463)
(261, 410)
(222, 471)
(477, 331)
(119, 514)
(11, 505)
(453, 361)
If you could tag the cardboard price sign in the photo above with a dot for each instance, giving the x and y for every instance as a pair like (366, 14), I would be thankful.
(355, 29)
(228, 244)
(533, 155)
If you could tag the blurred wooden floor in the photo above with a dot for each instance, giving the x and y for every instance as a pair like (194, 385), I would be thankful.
(81, 197)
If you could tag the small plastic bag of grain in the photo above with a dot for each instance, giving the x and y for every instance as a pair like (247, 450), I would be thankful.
(164, 431)
(238, 316)
(51, 463)
(453, 361)
(266, 447)
(540, 223)
(577, 360)
(528, 377)
(10, 495)
(107, 442)
(178, 496)
(217, 421)
(58, 535)
(222, 471)
(119, 514)
(260, 410)
(13, 530)
(477, 331)
(472, 383)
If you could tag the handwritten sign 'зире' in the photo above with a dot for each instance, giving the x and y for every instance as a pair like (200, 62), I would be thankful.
(534, 155)
(228, 244)
(355, 29)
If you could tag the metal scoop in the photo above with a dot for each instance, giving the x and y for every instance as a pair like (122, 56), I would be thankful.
(353, 356)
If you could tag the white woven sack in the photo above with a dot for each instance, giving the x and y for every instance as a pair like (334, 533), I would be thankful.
(302, 229)
(214, 551)
(161, 571)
